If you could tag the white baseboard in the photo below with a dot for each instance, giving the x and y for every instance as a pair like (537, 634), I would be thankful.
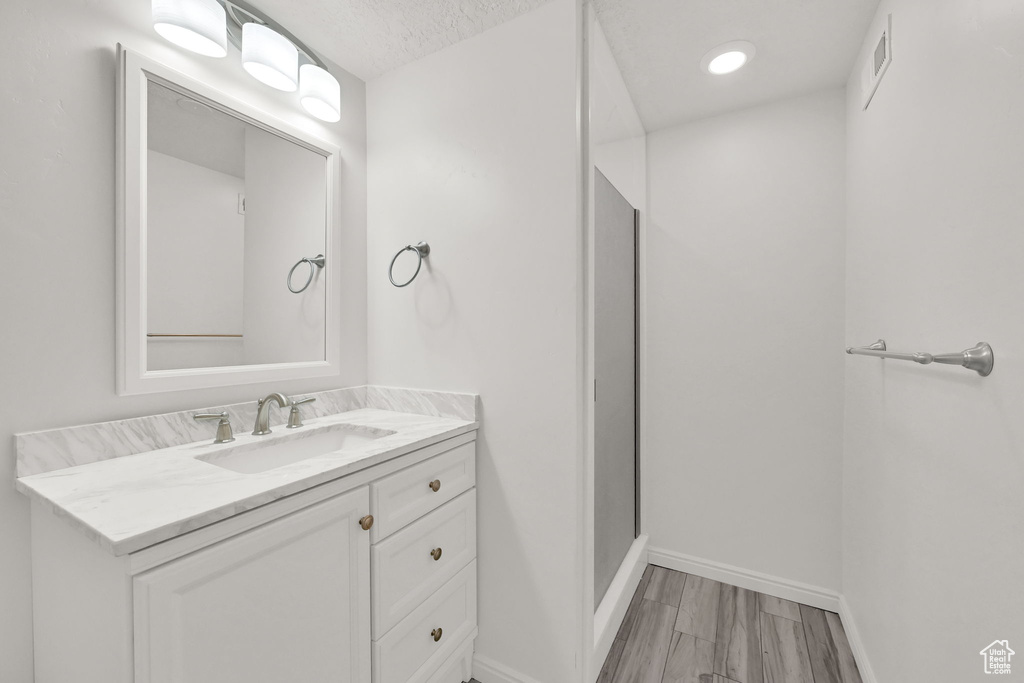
(612, 610)
(778, 587)
(486, 670)
(867, 674)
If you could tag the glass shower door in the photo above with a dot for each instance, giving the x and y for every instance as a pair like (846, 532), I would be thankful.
(615, 396)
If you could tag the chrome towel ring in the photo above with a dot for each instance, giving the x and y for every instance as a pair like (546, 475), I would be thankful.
(317, 261)
(422, 251)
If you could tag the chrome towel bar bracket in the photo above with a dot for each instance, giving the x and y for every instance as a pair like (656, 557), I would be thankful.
(979, 358)
(314, 263)
(422, 251)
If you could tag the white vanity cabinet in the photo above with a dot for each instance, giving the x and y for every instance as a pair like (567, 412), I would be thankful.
(286, 601)
(304, 588)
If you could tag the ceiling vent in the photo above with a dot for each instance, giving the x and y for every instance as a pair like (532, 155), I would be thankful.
(878, 60)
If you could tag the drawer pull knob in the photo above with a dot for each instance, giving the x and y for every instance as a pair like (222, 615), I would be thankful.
(366, 522)
(435, 485)
(436, 634)
(436, 554)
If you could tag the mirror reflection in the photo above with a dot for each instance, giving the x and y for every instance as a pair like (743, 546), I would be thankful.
(236, 227)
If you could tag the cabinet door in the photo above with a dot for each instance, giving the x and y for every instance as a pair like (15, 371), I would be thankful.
(288, 601)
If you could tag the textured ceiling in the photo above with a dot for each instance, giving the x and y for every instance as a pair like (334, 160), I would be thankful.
(802, 46)
(370, 37)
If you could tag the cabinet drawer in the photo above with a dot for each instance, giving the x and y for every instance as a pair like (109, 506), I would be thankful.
(409, 652)
(405, 572)
(405, 496)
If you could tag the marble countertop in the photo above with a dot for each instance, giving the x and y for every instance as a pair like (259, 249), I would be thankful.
(132, 502)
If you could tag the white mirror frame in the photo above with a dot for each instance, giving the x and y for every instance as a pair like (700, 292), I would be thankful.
(135, 72)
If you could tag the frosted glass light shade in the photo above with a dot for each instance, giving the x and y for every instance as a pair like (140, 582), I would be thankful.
(269, 57)
(319, 93)
(196, 25)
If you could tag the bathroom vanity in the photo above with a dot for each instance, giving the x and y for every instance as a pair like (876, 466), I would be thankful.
(213, 563)
(173, 549)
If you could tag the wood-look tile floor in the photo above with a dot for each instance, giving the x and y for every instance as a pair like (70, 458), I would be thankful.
(682, 628)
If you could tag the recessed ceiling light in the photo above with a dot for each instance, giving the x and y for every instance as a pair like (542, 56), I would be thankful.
(727, 58)
(194, 107)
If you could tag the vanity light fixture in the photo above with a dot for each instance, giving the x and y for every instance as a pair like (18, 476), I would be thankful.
(270, 54)
(728, 57)
(196, 25)
(319, 93)
(269, 57)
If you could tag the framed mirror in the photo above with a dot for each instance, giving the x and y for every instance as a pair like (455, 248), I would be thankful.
(225, 239)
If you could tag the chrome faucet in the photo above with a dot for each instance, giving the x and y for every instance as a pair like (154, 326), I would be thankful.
(263, 412)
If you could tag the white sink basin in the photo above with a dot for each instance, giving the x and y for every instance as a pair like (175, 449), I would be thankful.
(257, 457)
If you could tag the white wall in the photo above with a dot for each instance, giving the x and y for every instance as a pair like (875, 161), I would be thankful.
(744, 337)
(195, 243)
(57, 69)
(474, 150)
(934, 463)
(618, 139)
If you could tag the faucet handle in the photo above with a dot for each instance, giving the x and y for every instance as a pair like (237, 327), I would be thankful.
(224, 434)
(294, 418)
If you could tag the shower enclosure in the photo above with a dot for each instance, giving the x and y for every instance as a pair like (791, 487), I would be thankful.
(616, 494)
